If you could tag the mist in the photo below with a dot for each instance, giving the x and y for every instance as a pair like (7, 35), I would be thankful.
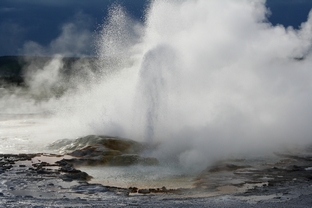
(205, 80)
(75, 39)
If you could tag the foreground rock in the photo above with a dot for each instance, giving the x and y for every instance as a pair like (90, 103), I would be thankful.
(104, 150)
(46, 176)
(39, 180)
(42, 164)
(28, 180)
(288, 178)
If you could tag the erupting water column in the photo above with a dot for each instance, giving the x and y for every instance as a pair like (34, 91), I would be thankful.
(156, 67)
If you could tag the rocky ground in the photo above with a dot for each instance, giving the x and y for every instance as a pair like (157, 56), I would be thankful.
(41, 180)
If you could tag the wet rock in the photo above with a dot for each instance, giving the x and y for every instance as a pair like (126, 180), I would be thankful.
(62, 162)
(71, 172)
(102, 150)
(144, 191)
(90, 188)
(43, 171)
(93, 151)
(156, 190)
(81, 176)
(42, 164)
(69, 168)
(296, 168)
(133, 190)
(110, 143)
(7, 166)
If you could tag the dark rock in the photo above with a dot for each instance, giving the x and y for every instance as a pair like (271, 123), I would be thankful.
(94, 151)
(296, 168)
(144, 191)
(66, 179)
(7, 166)
(125, 146)
(76, 176)
(133, 189)
(83, 152)
(90, 188)
(43, 171)
(103, 150)
(68, 168)
(62, 162)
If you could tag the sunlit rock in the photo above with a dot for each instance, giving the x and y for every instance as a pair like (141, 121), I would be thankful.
(104, 150)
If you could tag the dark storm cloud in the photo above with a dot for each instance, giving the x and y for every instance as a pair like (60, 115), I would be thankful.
(11, 36)
(42, 20)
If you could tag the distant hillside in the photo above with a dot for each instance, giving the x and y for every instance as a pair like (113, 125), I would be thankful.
(13, 68)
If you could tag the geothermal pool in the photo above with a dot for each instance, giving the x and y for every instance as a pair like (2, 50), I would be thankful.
(204, 80)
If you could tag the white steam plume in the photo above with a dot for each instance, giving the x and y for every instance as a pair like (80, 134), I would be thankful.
(205, 79)
(215, 78)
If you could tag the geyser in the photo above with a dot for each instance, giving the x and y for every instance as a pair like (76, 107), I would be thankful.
(205, 79)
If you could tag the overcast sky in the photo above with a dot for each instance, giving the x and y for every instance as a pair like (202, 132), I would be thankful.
(26, 25)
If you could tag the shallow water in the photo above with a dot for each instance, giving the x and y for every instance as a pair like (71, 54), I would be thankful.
(16, 137)
(140, 177)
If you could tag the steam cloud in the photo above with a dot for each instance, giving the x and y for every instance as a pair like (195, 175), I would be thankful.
(204, 79)
(75, 40)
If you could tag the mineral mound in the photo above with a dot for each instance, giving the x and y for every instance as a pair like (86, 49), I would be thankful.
(104, 150)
